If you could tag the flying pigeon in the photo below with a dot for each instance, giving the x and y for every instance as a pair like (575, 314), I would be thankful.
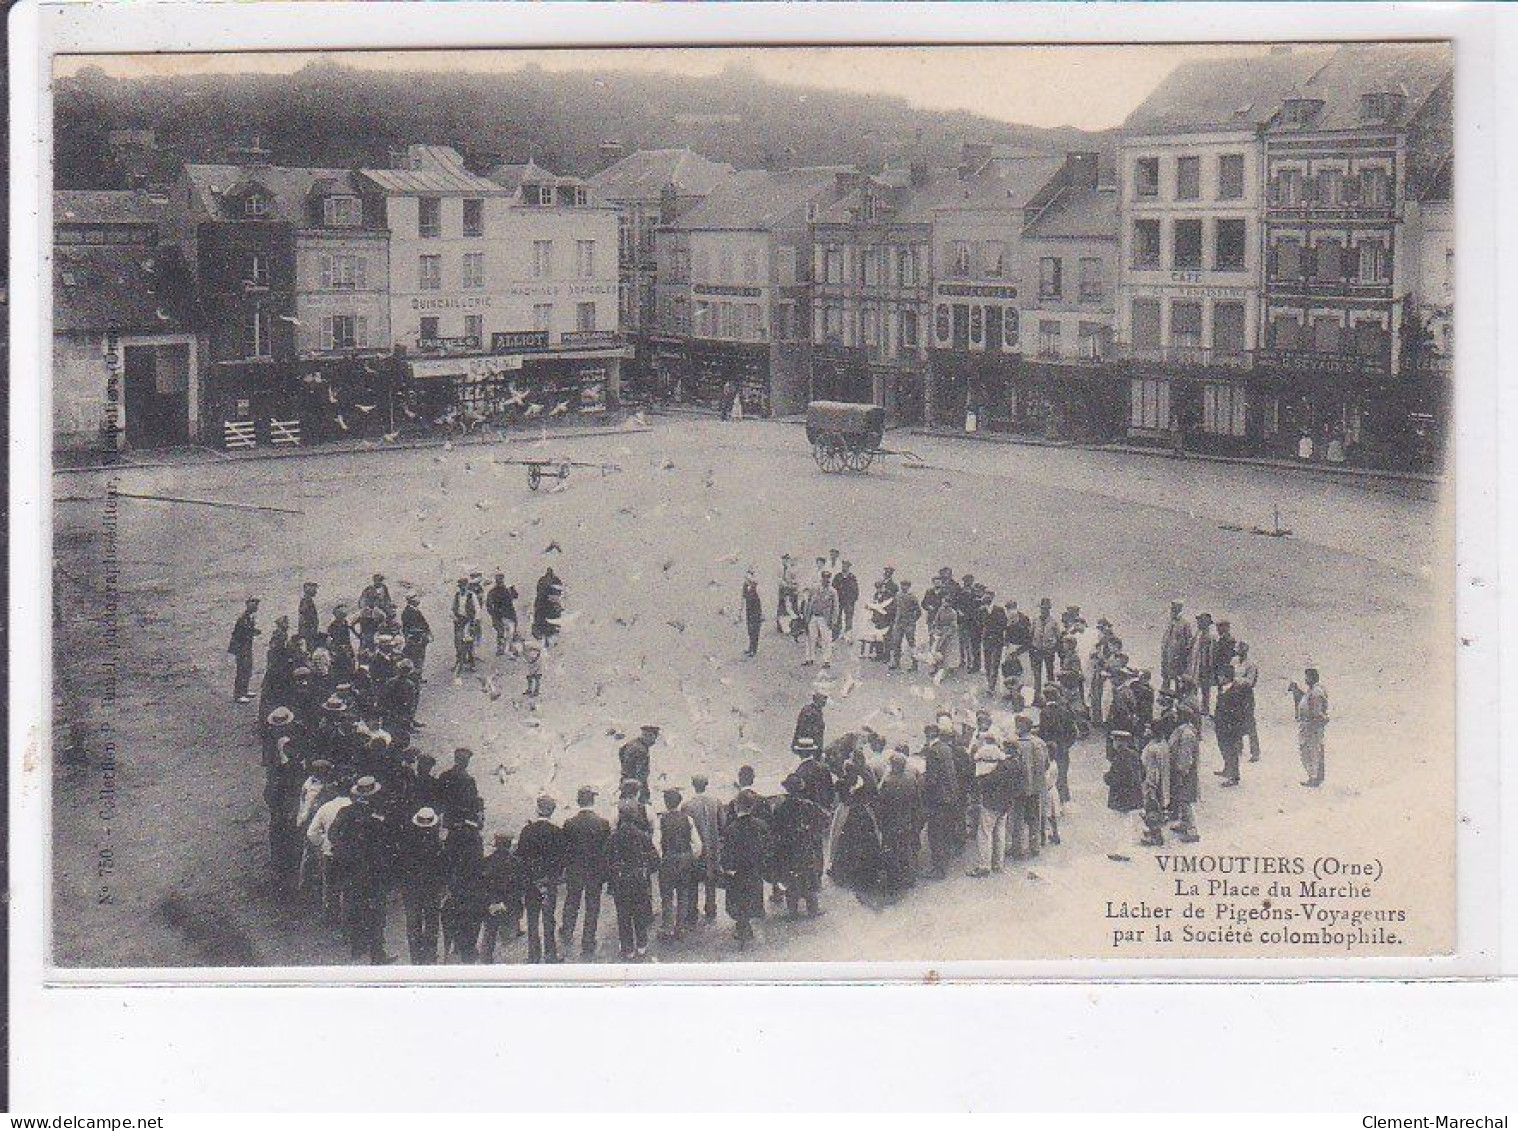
(392, 437)
(533, 410)
(341, 423)
(290, 318)
(559, 409)
(331, 395)
(517, 397)
(366, 408)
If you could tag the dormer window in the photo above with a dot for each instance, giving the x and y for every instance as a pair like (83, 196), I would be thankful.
(255, 206)
(342, 212)
(574, 196)
(1300, 111)
(539, 196)
(1379, 105)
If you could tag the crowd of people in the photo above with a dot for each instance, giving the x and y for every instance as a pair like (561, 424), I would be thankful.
(357, 813)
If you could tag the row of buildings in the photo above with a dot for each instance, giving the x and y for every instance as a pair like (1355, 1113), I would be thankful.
(1269, 258)
(253, 302)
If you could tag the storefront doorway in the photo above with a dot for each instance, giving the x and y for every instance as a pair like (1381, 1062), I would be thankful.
(157, 395)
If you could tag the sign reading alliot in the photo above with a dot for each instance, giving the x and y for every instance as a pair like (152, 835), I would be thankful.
(507, 340)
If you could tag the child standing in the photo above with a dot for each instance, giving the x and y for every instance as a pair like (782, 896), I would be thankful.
(532, 652)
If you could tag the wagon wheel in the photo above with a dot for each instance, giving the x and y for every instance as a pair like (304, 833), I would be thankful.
(828, 455)
(863, 457)
(534, 476)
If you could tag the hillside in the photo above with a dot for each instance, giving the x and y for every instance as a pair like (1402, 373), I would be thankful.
(327, 114)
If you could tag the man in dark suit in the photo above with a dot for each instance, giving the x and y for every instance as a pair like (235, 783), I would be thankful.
(993, 640)
(241, 649)
(810, 723)
(540, 847)
(635, 759)
(585, 838)
(457, 792)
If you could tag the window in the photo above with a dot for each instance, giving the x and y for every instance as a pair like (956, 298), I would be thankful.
(785, 321)
(1145, 329)
(995, 253)
(257, 271)
(1188, 178)
(428, 330)
(961, 326)
(703, 319)
(1149, 403)
(585, 258)
(906, 266)
(1286, 332)
(344, 332)
(429, 217)
(430, 273)
(1048, 338)
(832, 324)
(1373, 262)
(751, 322)
(1331, 187)
(1093, 280)
(1229, 252)
(941, 323)
(978, 325)
(1009, 328)
(1288, 260)
(585, 316)
(750, 265)
(344, 272)
(1287, 187)
(908, 334)
(474, 271)
(539, 196)
(993, 328)
(260, 335)
(832, 265)
(542, 316)
(1187, 254)
(256, 205)
(542, 259)
(1223, 411)
(1093, 339)
(869, 329)
(342, 212)
(1372, 341)
(1375, 187)
(1186, 325)
(727, 315)
(1146, 243)
(1330, 260)
(577, 195)
(1228, 331)
(1325, 334)
(1231, 176)
(474, 217)
(1146, 176)
(959, 258)
(474, 328)
(1050, 284)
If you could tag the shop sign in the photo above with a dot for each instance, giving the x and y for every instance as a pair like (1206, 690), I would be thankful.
(585, 338)
(506, 341)
(976, 290)
(592, 388)
(721, 289)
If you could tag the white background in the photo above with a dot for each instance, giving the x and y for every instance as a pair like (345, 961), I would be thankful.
(1394, 1048)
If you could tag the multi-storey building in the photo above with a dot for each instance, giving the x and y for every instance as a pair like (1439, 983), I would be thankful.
(1069, 261)
(126, 347)
(872, 292)
(292, 265)
(499, 285)
(1191, 270)
(649, 188)
(1002, 236)
(748, 328)
(1353, 157)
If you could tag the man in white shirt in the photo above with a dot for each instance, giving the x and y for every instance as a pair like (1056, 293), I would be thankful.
(319, 846)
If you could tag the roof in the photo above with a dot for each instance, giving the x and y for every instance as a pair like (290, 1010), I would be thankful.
(644, 175)
(1220, 94)
(511, 177)
(1412, 70)
(442, 181)
(1078, 213)
(893, 184)
(290, 186)
(107, 206)
(1004, 184)
(104, 287)
(758, 198)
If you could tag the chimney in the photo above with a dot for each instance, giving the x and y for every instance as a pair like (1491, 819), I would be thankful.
(252, 152)
(973, 156)
(1080, 170)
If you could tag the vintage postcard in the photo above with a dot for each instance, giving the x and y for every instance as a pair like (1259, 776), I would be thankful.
(582, 512)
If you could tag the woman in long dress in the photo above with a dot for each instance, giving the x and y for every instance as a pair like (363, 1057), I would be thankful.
(858, 858)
